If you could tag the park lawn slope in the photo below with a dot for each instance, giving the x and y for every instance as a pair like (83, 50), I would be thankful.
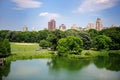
(27, 51)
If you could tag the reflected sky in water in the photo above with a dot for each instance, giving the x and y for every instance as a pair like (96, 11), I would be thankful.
(58, 69)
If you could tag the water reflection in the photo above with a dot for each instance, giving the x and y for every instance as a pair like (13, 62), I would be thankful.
(101, 68)
(4, 70)
(64, 63)
(110, 63)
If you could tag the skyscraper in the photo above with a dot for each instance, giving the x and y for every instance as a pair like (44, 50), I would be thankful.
(74, 26)
(52, 25)
(90, 26)
(25, 28)
(98, 24)
(62, 27)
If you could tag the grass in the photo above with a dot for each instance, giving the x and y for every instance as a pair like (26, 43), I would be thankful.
(32, 50)
(85, 54)
(27, 51)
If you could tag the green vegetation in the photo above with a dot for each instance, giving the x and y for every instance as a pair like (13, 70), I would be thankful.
(5, 48)
(102, 42)
(69, 45)
(59, 42)
(32, 50)
(114, 34)
(27, 51)
(44, 44)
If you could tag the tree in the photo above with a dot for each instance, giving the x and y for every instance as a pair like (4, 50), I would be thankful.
(93, 33)
(54, 37)
(5, 48)
(6, 44)
(87, 41)
(114, 34)
(69, 45)
(102, 42)
(44, 44)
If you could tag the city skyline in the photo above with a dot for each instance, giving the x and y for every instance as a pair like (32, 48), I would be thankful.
(37, 13)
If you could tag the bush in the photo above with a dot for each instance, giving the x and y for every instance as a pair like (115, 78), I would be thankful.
(69, 45)
(44, 44)
(102, 42)
(5, 48)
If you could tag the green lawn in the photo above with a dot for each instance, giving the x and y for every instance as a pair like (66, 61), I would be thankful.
(91, 54)
(21, 51)
(27, 51)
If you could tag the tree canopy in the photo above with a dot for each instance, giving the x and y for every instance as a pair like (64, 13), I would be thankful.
(69, 45)
(102, 42)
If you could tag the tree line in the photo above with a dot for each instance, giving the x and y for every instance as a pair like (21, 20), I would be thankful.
(108, 39)
(5, 49)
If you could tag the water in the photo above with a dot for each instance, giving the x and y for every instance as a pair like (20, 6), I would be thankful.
(62, 69)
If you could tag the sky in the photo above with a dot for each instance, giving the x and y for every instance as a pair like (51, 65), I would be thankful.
(14, 14)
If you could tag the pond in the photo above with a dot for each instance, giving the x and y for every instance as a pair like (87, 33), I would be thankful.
(102, 68)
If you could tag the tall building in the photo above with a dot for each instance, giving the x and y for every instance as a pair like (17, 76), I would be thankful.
(98, 24)
(74, 26)
(62, 27)
(25, 28)
(52, 25)
(33, 29)
(90, 26)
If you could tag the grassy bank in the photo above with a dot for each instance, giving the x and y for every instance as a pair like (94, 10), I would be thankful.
(32, 50)
(92, 54)
(27, 51)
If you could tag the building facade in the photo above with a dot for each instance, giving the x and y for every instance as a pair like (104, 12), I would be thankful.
(99, 24)
(25, 28)
(74, 26)
(52, 25)
(90, 26)
(62, 27)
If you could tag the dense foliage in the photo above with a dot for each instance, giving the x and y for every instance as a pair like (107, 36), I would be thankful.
(50, 39)
(5, 48)
(69, 45)
(44, 44)
(102, 42)
(114, 34)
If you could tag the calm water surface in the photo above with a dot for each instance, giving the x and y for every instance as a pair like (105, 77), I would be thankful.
(62, 69)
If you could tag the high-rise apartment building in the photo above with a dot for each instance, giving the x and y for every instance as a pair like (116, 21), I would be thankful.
(52, 25)
(74, 26)
(90, 26)
(25, 28)
(62, 27)
(98, 24)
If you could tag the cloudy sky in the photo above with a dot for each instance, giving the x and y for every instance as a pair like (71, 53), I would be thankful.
(14, 14)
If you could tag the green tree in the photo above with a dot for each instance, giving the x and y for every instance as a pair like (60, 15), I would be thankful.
(44, 44)
(5, 48)
(93, 33)
(114, 34)
(54, 37)
(102, 42)
(69, 45)
(87, 41)
(85, 36)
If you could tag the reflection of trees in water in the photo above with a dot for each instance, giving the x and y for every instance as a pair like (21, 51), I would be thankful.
(5, 69)
(110, 63)
(65, 63)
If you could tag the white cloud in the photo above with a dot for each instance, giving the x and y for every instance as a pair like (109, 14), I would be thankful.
(49, 15)
(96, 5)
(23, 4)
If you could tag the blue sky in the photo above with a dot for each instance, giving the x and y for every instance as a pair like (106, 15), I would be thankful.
(14, 14)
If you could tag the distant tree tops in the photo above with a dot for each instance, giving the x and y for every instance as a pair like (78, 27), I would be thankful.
(105, 39)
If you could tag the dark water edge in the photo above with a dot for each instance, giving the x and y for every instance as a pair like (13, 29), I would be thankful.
(100, 68)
